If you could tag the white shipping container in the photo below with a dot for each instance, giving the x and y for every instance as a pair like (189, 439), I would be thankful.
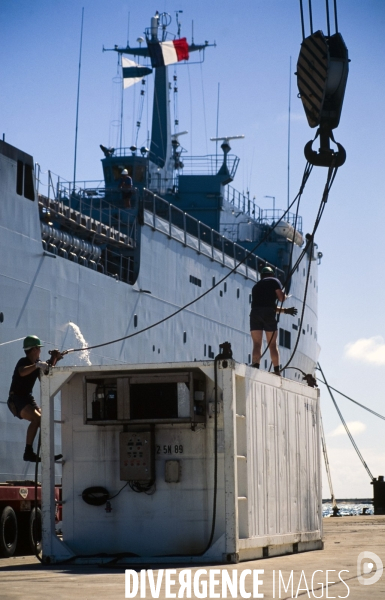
(267, 480)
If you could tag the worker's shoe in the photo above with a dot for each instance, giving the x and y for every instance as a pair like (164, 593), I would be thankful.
(31, 456)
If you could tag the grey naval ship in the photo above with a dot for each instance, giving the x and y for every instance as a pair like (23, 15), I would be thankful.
(82, 265)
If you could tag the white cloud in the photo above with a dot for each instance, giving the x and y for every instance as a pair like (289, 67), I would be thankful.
(353, 426)
(370, 350)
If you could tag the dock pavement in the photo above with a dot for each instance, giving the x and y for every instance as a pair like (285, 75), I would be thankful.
(316, 574)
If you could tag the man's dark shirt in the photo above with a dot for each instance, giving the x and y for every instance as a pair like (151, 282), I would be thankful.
(22, 386)
(125, 183)
(263, 293)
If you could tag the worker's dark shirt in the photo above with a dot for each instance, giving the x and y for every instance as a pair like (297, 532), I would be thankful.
(125, 183)
(263, 293)
(22, 386)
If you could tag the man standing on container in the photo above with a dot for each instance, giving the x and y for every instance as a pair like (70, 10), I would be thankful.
(265, 295)
(21, 402)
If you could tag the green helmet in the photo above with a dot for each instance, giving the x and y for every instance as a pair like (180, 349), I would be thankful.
(267, 270)
(32, 341)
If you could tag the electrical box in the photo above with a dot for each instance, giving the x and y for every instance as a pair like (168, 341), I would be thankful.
(172, 471)
(136, 456)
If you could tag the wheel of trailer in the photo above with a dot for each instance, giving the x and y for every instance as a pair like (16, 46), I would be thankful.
(29, 527)
(8, 532)
(34, 531)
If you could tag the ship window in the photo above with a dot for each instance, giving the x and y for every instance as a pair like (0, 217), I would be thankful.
(225, 287)
(295, 327)
(204, 350)
(139, 173)
(237, 292)
(195, 281)
(284, 338)
(153, 348)
(135, 320)
(29, 192)
(265, 363)
(311, 279)
(184, 337)
(220, 293)
(304, 272)
(249, 361)
(19, 178)
(24, 181)
(213, 281)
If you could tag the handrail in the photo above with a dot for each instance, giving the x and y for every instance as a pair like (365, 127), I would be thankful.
(175, 217)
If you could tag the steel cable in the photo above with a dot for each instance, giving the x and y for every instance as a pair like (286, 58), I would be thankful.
(355, 401)
(345, 425)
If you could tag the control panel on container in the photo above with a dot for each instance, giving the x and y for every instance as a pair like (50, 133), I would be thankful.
(152, 397)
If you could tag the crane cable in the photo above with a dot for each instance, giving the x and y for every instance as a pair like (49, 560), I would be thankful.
(332, 172)
(305, 177)
(345, 425)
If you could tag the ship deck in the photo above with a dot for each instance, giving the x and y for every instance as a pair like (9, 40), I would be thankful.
(344, 538)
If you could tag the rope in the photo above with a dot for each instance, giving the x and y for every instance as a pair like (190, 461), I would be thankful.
(355, 402)
(327, 466)
(332, 172)
(345, 425)
(11, 341)
(302, 21)
(307, 172)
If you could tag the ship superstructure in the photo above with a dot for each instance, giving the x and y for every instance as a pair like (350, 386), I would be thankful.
(79, 267)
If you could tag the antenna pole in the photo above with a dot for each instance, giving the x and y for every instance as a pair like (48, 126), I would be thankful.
(77, 101)
(216, 145)
(121, 109)
(288, 141)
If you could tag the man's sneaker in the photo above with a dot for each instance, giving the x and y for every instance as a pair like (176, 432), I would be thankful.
(30, 456)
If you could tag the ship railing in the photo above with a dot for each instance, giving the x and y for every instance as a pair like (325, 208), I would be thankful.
(177, 224)
(242, 202)
(209, 164)
(270, 216)
(88, 210)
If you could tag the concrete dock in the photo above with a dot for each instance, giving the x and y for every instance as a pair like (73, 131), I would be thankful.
(301, 575)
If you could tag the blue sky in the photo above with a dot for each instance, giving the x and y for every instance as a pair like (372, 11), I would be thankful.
(255, 40)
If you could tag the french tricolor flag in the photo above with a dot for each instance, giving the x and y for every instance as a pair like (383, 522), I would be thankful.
(167, 53)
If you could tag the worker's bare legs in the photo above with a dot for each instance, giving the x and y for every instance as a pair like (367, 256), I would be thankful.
(271, 337)
(256, 336)
(32, 414)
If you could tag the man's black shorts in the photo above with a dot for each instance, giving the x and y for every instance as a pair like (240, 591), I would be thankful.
(262, 318)
(20, 402)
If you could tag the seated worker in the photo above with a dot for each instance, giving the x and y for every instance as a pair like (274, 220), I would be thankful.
(21, 402)
(265, 294)
(125, 185)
